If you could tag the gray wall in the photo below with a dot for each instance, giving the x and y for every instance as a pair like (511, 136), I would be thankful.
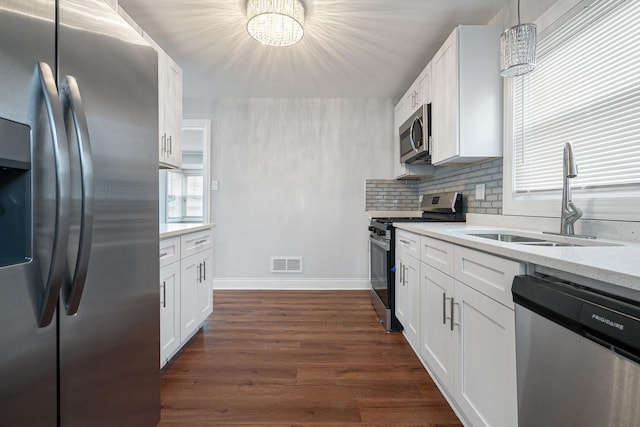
(291, 178)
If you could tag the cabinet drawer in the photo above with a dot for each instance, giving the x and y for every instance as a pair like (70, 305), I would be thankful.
(408, 242)
(437, 253)
(486, 273)
(196, 242)
(169, 251)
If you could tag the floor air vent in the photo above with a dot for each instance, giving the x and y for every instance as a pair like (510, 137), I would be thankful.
(286, 264)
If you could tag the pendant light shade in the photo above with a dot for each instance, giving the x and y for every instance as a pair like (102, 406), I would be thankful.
(275, 22)
(518, 49)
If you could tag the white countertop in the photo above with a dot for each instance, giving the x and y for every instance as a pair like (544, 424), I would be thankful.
(179, 228)
(617, 265)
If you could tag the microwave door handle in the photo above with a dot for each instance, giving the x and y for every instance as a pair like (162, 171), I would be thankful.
(413, 143)
(72, 103)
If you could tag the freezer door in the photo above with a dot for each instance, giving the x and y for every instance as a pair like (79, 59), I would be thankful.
(109, 346)
(27, 216)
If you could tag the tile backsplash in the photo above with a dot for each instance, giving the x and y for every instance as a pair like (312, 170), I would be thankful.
(391, 195)
(405, 195)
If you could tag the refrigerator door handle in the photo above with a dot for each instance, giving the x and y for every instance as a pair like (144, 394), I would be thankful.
(56, 273)
(72, 105)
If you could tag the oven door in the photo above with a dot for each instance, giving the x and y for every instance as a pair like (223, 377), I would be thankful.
(381, 274)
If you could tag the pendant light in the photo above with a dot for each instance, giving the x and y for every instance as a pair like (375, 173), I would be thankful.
(275, 22)
(518, 49)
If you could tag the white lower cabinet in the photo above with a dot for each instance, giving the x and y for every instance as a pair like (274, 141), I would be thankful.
(408, 285)
(466, 337)
(169, 311)
(485, 359)
(186, 293)
(205, 287)
(189, 270)
(196, 295)
(436, 344)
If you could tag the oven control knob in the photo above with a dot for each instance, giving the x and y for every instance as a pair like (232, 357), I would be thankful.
(382, 232)
(371, 228)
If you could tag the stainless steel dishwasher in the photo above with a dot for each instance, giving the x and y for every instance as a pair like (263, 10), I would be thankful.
(577, 355)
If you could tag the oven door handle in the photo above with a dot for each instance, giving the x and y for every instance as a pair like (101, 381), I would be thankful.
(385, 246)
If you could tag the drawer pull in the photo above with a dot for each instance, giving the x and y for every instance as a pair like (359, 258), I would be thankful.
(163, 254)
(200, 241)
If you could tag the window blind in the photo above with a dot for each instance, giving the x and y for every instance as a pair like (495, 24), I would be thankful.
(585, 90)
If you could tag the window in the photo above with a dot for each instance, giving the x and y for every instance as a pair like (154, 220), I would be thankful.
(174, 196)
(183, 193)
(184, 196)
(584, 90)
(192, 182)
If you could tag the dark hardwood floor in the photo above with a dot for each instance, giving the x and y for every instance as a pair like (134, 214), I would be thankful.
(299, 358)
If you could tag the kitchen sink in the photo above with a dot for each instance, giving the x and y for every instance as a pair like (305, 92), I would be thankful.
(545, 243)
(511, 238)
(563, 241)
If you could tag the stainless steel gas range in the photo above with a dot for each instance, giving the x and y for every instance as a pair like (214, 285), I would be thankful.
(441, 207)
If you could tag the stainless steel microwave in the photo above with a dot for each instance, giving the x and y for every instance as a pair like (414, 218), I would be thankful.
(415, 137)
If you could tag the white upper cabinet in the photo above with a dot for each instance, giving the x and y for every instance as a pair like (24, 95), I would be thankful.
(169, 109)
(170, 112)
(418, 94)
(467, 96)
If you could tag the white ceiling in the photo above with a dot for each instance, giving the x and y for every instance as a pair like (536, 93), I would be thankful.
(351, 48)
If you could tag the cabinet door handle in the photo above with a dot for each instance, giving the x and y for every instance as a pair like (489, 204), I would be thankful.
(199, 268)
(170, 145)
(204, 271)
(401, 271)
(404, 282)
(452, 304)
(164, 294)
(444, 308)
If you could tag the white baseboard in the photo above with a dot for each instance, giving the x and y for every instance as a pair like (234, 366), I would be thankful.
(291, 284)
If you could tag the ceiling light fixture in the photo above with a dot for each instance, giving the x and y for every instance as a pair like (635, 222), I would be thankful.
(275, 22)
(518, 49)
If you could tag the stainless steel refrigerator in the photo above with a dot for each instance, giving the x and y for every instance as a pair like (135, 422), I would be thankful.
(79, 300)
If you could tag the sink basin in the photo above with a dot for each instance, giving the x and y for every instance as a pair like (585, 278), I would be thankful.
(511, 238)
(545, 243)
(521, 239)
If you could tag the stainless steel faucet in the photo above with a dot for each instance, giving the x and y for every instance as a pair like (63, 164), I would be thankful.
(570, 212)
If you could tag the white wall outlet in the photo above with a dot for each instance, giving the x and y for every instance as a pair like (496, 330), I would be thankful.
(214, 185)
(479, 191)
